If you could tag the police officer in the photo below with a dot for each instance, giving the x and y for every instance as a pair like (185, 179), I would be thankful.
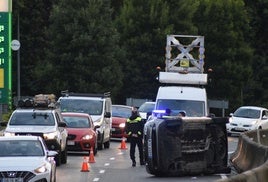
(134, 129)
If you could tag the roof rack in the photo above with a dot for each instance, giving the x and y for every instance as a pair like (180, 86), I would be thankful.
(39, 101)
(66, 93)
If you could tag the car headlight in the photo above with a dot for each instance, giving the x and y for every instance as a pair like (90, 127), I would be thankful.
(9, 133)
(87, 137)
(122, 125)
(230, 119)
(50, 136)
(41, 169)
(254, 122)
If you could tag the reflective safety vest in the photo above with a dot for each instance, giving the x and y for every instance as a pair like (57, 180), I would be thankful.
(134, 126)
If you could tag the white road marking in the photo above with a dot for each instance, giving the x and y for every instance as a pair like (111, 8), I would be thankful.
(107, 164)
(102, 171)
(112, 158)
(96, 179)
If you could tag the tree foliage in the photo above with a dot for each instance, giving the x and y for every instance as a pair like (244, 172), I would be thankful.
(83, 55)
(30, 22)
(143, 27)
(101, 45)
(225, 25)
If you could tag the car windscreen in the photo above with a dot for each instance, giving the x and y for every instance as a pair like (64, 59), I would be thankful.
(247, 113)
(92, 107)
(191, 108)
(32, 118)
(76, 122)
(21, 148)
(146, 107)
(122, 112)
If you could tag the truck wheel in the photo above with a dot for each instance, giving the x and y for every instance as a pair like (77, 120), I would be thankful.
(64, 156)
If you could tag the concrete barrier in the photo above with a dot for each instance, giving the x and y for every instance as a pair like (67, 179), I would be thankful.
(250, 158)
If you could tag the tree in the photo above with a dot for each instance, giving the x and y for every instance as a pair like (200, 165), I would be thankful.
(259, 40)
(225, 25)
(143, 26)
(84, 54)
(32, 18)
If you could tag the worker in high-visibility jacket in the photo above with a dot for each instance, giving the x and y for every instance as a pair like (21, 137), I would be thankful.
(134, 129)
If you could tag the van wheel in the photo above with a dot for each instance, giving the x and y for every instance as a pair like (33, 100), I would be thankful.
(58, 159)
(100, 145)
(64, 156)
(107, 144)
(95, 150)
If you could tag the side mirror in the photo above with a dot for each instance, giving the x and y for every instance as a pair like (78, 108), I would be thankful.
(62, 124)
(4, 124)
(211, 115)
(107, 115)
(96, 127)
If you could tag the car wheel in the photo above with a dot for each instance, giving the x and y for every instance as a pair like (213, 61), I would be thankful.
(64, 156)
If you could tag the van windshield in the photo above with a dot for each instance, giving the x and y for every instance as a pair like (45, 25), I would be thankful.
(192, 108)
(92, 107)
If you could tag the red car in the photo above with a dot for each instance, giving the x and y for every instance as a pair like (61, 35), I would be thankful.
(81, 132)
(120, 114)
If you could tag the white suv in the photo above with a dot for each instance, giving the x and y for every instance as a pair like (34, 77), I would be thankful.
(98, 106)
(40, 120)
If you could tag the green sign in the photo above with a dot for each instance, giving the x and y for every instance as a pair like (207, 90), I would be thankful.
(5, 58)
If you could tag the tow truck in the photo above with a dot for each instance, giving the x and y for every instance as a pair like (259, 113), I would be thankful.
(196, 143)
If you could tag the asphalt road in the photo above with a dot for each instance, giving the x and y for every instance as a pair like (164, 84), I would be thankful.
(114, 165)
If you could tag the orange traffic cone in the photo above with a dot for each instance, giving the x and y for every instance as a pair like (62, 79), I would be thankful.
(91, 156)
(85, 166)
(123, 144)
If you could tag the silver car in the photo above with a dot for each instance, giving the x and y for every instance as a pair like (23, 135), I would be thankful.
(26, 158)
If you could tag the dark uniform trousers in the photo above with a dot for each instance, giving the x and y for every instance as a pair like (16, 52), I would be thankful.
(133, 142)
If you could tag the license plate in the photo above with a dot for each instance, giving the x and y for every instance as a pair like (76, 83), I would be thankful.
(240, 129)
(70, 142)
(12, 180)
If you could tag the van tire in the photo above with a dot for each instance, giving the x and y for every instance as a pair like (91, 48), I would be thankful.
(100, 144)
(107, 144)
(64, 156)
(58, 159)
(95, 150)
